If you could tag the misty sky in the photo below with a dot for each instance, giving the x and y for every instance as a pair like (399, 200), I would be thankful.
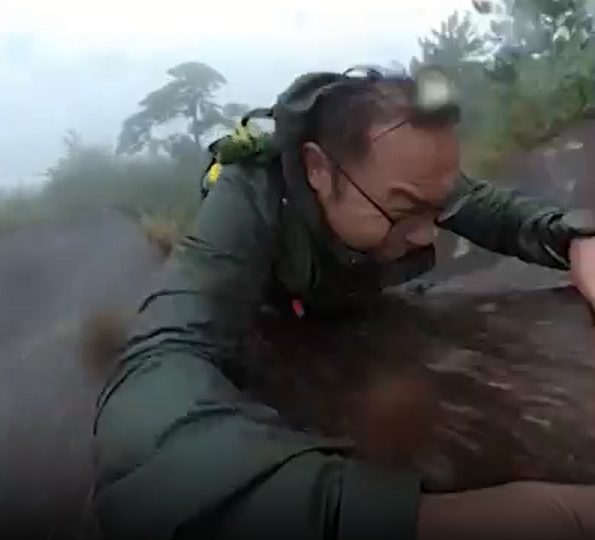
(84, 65)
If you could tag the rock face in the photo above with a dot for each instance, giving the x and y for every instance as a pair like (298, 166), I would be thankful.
(561, 170)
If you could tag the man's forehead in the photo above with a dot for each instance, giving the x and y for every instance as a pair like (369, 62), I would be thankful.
(413, 147)
(421, 160)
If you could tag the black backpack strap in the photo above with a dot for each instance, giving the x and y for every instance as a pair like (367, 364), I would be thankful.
(237, 146)
(262, 112)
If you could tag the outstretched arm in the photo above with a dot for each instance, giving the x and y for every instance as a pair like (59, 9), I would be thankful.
(507, 222)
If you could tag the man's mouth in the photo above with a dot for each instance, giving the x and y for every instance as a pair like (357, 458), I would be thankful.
(410, 265)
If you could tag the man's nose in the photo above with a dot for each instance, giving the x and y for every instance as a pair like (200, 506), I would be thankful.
(422, 235)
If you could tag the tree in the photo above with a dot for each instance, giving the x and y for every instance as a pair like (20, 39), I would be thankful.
(522, 80)
(460, 49)
(544, 63)
(454, 45)
(537, 28)
(189, 97)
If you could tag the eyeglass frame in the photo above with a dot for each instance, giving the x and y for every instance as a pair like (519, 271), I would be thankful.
(391, 220)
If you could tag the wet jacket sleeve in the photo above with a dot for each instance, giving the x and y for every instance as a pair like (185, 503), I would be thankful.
(507, 222)
(182, 453)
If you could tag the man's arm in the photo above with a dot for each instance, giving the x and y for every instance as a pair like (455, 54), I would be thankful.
(182, 453)
(506, 222)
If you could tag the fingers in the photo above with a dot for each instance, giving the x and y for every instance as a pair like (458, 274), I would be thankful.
(582, 266)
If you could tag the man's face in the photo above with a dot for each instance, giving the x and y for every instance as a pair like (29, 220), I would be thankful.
(409, 172)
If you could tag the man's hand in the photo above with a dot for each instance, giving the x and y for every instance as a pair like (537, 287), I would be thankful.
(582, 267)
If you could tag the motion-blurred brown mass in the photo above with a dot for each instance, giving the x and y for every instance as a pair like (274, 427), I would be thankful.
(476, 389)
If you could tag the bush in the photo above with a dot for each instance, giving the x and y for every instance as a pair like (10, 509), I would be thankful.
(518, 89)
(534, 87)
(548, 94)
(90, 178)
(18, 207)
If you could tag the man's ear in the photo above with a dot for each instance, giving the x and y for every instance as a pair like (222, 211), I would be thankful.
(318, 169)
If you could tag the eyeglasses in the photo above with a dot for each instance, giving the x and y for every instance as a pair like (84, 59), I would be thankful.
(392, 221)
(363, 192)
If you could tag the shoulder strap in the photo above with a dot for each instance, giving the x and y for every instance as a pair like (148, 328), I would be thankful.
(243, 145)
(262, 112)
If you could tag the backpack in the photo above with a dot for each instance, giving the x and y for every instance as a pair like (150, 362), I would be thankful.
(245, 143)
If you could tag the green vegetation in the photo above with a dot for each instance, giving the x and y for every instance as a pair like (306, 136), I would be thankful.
(525, 70)
(93, 177)
(523, 80)
(90, 177)
(151, 176)
(19, 206)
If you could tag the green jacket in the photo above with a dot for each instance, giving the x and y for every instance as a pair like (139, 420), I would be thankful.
(182, 452)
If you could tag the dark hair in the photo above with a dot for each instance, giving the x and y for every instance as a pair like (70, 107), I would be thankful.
(342, 118)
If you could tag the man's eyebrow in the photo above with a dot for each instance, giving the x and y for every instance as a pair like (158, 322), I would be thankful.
(415, 203)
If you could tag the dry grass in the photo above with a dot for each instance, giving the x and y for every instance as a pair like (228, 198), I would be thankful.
(163, 233)
(102, 336)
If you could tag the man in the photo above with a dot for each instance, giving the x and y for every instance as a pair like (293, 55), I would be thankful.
(344, 203)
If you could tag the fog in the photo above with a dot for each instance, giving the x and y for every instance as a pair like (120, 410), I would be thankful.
(84, 66)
